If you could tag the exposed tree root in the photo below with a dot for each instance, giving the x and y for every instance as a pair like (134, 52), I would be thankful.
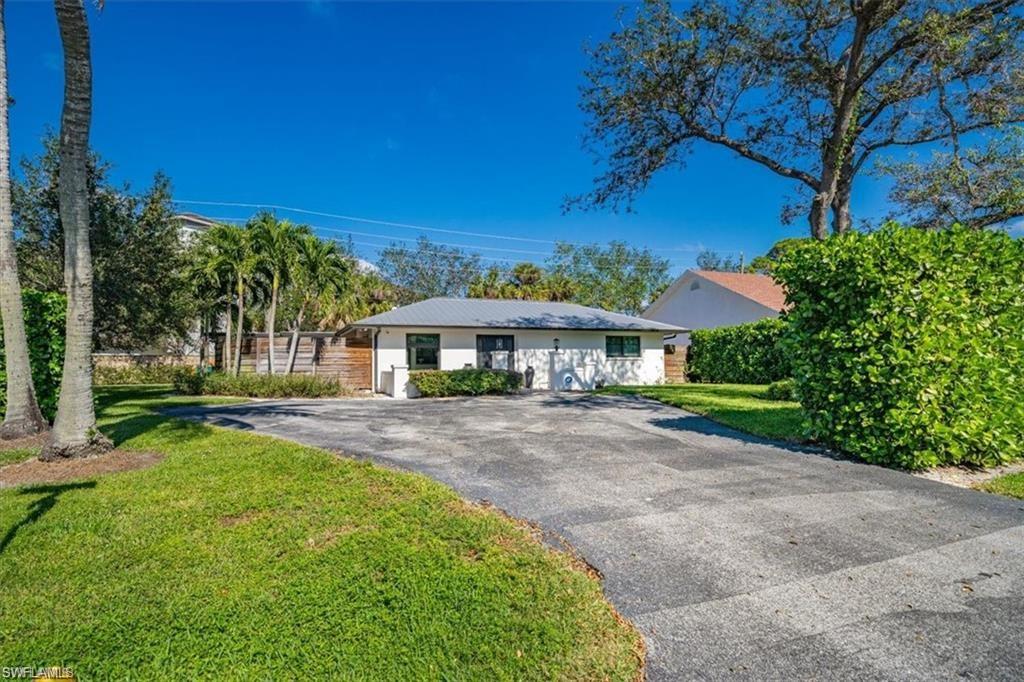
(96, 445)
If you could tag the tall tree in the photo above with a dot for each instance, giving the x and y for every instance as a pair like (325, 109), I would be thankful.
(619, 277)
(979, 186)
(238, 256)
(210, 289)
(525, 281)
(430, 270)
(765, 264)
(215, 255)
(809, 90)
(320, 270)
(23, 417)
(275, 243)
(712, 260)
(74, 432)
(139, 288)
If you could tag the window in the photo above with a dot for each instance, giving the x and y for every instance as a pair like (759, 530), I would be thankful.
(423, 350)
(622, 346)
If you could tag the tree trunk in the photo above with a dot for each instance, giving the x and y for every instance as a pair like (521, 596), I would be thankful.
(23, 417)
(842, 219)
(294, 347)
(818, 217)
(74, 431)
(237, 368)
(839, 146)
(272, 320)
(226, 354)
(204, 327)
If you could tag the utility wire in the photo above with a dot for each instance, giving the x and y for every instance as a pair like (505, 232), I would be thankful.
(424, 228)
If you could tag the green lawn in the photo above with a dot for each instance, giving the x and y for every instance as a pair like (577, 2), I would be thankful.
(15, 455)
(243, 556)
(1010, 484)
(740, 406)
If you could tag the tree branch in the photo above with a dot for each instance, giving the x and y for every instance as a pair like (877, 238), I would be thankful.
(752, 154)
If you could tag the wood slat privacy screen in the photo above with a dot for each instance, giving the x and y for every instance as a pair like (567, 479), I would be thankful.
(348, 359)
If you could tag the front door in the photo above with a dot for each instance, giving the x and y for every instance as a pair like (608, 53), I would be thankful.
(488, 348)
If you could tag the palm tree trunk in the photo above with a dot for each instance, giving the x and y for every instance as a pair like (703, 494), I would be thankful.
(237, 367)
(294, 347)
(226, 353)
(23, 417)
(204, 339)
(272, 320)
(74, 431)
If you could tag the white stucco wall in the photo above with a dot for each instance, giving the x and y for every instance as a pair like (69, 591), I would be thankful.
(581, 355)
(710, 305)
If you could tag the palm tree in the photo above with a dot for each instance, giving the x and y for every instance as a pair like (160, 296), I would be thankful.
(320, 269)
(367, 294)
(275, 243)
(74, 431)
(216, 252)
(210, 289)
(237, 259)
(23, 417)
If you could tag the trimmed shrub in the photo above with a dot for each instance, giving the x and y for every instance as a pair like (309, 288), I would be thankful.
(191, 382)
(44, 327)
(434, 383)
(136, 374)
(741, 354)
(908, 346)
(783, 389)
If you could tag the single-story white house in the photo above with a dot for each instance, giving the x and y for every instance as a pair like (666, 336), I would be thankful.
(559, 346)
(702, 299)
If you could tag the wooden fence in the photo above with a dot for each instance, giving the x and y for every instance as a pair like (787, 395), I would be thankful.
(348, 359)
(675, 364)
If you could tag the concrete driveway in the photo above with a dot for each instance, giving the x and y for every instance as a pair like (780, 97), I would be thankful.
(735, 558)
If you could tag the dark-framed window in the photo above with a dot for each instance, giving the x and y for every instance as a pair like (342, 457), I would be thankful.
(423, 350)
(622, 346)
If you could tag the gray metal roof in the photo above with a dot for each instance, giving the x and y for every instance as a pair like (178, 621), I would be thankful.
(509, 314)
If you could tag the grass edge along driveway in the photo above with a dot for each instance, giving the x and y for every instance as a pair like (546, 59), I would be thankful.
(248, 556)
(741, 406)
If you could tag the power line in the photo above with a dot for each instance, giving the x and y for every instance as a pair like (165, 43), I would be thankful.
(370, 221)
(423, 228)
(402, 241)
(406, 239)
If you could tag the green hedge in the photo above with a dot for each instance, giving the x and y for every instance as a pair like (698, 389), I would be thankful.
(783, 389)
(136, 374)
(44, 327)
(908, 345)
(441, 383)
(191, 382)
(742, 354)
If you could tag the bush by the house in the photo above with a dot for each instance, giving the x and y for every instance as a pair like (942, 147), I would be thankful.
(783, 389)
(136, 374)
(741, 354)
(192, 382)
(908, 345)
(434, 383)
(44, 328)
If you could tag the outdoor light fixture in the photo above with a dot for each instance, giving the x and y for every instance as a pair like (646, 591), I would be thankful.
(556, 343)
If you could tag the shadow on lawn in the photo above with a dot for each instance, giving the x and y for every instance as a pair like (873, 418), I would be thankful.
(703, 425)
(50, 494)
(179, 430)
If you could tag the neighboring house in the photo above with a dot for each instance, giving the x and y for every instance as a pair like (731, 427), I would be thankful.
(558, 346)
(191, 225)
(701, 299)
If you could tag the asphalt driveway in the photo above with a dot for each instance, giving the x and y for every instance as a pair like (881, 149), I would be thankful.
(735, 557)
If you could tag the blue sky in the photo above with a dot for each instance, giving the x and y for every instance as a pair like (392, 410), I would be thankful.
(459, 116)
